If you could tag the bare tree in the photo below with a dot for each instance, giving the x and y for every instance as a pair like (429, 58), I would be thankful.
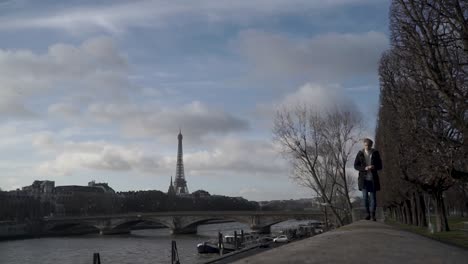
(424, 82)
(421, 158)
(318, 146)
(432, 37)
(342, 130)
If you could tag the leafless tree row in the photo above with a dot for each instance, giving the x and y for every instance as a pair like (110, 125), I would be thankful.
(423, 117)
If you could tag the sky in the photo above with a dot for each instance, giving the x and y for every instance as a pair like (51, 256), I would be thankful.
(98, 90)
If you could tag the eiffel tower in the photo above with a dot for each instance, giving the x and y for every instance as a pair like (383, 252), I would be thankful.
(180, 184)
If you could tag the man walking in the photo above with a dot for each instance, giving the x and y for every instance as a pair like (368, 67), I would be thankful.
(368, 162)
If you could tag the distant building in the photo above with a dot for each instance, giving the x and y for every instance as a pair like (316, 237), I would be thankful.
(43, 190)
(70, 190)
(18, 193)
(40, 187)
(44, 198)
(104, 186)
(201, 194)
(81, 200)
(171, 191)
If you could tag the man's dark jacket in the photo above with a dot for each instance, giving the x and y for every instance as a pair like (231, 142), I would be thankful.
(360, 165)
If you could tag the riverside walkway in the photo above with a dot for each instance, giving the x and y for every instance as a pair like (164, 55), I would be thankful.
(363, 242)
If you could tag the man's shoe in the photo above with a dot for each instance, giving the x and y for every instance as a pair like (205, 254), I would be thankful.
(367, 217)
(373, 217)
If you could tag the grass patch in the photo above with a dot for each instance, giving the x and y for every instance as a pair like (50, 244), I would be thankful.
(453, 237)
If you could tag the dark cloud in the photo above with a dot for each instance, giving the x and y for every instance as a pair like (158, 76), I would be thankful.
(196, 119)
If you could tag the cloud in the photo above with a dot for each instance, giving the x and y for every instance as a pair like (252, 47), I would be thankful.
(118, 17)
(94, 69)
(225, 154)
(72, 156)
(320, 97)
(248, 157)
(11, 106)
(43, 140)
(248, 191)
(69, 111)
(316, 96)
(16, 136)
(196, 119)
(330, 57)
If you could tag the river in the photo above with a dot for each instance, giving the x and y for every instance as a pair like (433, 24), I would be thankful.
(140, 247)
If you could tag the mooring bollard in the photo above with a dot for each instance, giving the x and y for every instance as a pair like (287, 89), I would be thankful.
(96, 258)
(236, 245)
(220, 243)
(175, 254)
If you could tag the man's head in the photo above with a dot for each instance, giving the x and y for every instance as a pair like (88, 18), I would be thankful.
(368, 143)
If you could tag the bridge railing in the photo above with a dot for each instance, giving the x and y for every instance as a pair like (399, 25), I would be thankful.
(190, 213)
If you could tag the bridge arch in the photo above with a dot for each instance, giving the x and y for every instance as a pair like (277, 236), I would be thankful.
(182, 222)
(129, 223)
(71, 228)
(195, 221)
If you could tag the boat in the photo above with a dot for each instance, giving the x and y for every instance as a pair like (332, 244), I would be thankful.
(207, 248)
(211, 248)
(309, 229)
(234, 242)
(230, 243)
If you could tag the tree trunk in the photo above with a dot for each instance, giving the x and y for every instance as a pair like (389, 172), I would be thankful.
(438, 227)
(422, 211)
(398, 216)
(403, 214)
(346, 191)
(443, 213)
(464, 209)
(324, 209)
(338, 218)
(409, 218)
(414, 209)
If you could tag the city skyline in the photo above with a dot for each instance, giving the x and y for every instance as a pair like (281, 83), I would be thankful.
(97, 91)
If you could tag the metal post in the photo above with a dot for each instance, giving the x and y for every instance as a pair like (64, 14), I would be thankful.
(220, 243)
(236, 245)
(174, 254)
(96, 258)
(242, 236)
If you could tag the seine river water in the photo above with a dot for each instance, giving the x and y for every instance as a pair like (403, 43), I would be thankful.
(139, 247)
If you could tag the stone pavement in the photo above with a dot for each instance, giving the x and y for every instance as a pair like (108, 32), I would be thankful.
(364, 242)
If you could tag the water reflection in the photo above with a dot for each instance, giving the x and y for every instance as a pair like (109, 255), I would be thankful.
(139, 247)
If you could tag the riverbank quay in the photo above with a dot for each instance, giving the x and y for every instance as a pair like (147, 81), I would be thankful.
(233, 256)
(363, 242)
(10, 230)
(243, 253)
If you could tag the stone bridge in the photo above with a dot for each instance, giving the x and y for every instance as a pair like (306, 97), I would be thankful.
(179, 222)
